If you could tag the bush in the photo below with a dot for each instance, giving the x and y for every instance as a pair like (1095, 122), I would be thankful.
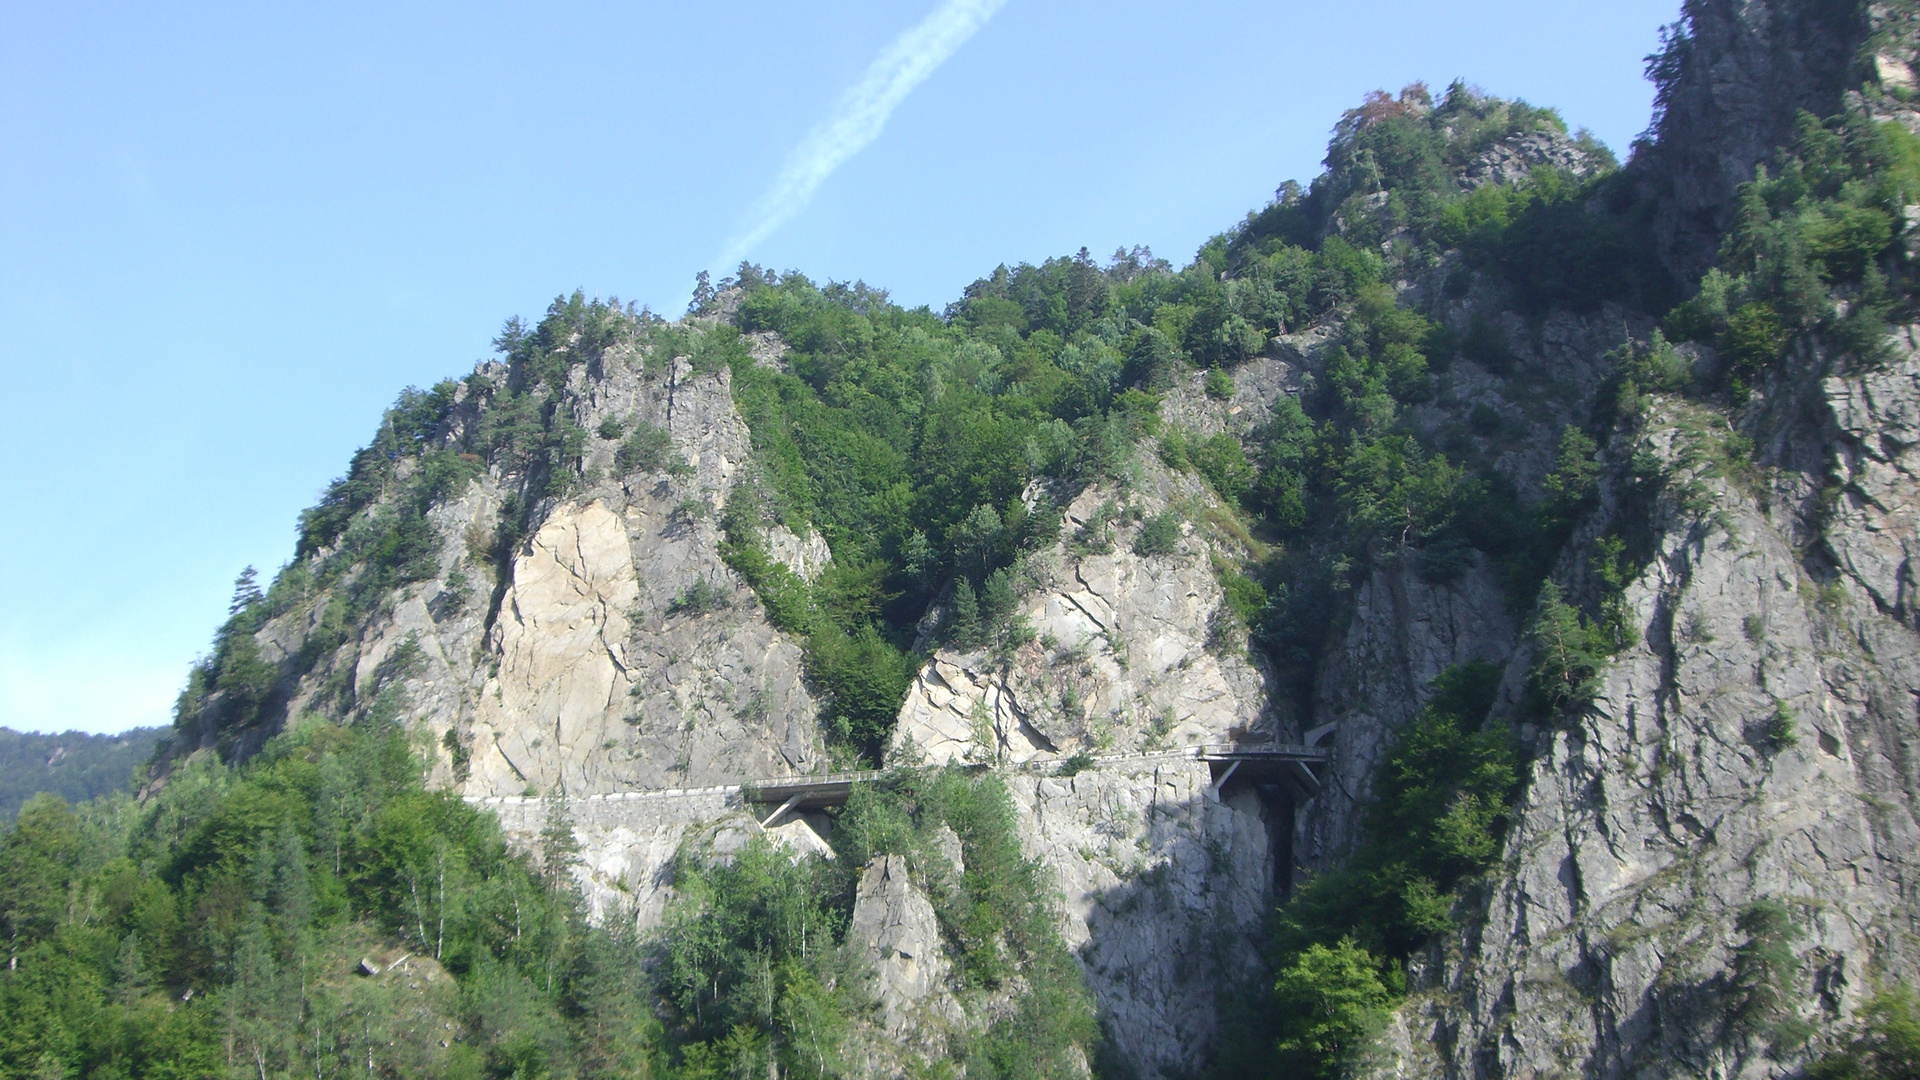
(996, 917)
(648, 449)
(1571, 651)
(1885, 1044)
(1219, 384)
(863, 678)
(1159, 535)
(1331, 1001)
(700, 598)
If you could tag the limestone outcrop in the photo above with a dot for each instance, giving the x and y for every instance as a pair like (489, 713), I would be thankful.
(1751, 750)
(586, 671)
(581, 657)
(1166, 885)
(894, 924)
(1127, 653)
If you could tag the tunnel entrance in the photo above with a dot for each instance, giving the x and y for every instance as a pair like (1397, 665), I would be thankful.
(1280, 779)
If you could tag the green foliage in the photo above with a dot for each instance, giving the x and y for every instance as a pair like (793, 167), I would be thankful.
(1571, 651)
(1158, 535)
(74, 765)
(1762, 974)
(1781, 728)
(1392, 172)
(753, 946)
(864, 679)
(1331, 1000)
(997, 916)
(1824, 223)
(1218, 458)
(648, 449)
(1439, 808)
(1440, 801)
(700, 598)
(1246, 597)
(1219, 384)
(225, 918)
(1544, 238)
(222, 925)
(861, 675)
(1885, 1043)
(754, 966)
(1655, 368)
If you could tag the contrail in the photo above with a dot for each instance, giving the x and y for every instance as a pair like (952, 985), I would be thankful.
(860, 115)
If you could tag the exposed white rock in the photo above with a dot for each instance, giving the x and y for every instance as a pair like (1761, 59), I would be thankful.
(627, 842)
(589, 680)
(1164, 888)
(806, 556)
(1124, 659)
(798, 836)
(894, 924)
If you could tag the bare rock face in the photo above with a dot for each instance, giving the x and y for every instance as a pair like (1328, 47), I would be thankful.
(1750, 751)
(1127, 657)
(1512, 160)
(627, 842)
(1258, 385)
(894, 923)
(562, 646)
(805, 556)
(596, 673)
(602, 688)
(1875, 532)
(1166, 887)
(1728, 94)
(1403, 632)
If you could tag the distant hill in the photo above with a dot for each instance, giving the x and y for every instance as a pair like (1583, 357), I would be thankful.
(73, 765)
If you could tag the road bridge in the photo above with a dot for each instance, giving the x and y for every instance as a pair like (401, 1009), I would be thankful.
(1264, 764)
(631, 837)
(1260, 763)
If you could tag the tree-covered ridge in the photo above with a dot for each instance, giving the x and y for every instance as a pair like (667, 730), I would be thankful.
(1817, 252)
(73, 765)
(909, 438)
(217, 927)
(318, 911)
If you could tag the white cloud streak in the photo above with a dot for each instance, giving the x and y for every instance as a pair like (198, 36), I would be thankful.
(860, 115)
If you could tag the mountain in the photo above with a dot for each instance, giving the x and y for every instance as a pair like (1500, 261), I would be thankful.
(1461, 624)
(73, 765)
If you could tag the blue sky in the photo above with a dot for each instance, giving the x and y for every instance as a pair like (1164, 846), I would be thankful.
(231, 233)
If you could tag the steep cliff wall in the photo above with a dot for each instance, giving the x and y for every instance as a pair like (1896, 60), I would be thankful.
(1731, 79)
(578, 673)
(1125, 655)
(1753, 750)
(1733, 777)
(1750, 755)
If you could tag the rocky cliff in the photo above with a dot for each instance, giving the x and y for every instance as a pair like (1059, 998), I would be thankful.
(560, 663)
(590, 584)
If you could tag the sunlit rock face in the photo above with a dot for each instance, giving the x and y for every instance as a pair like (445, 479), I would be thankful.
(1129, 654)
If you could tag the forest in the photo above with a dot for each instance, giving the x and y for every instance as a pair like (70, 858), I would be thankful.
(73, 765)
